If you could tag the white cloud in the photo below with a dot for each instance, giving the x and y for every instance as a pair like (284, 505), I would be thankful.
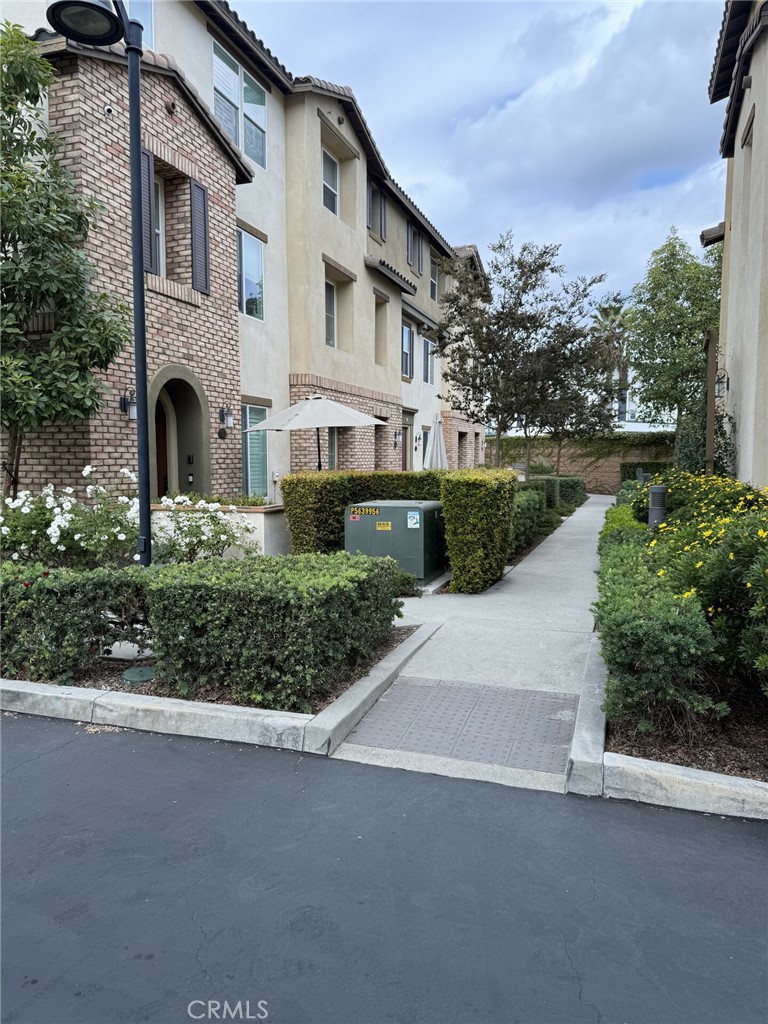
(581, 123)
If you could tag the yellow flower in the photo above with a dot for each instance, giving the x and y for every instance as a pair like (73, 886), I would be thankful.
(730, 557)
(652, 544)
(749, 585)
(762, 534)
(660, 572)
(699, 565)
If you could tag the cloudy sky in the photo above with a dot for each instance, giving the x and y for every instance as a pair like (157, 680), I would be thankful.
(586, 124)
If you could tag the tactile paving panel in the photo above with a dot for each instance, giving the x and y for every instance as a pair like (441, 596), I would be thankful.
(491, 724)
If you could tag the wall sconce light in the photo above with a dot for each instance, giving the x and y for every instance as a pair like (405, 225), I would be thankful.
(722, 383)
(417, 443)
(128, 403)
(398, 437)
(227, 417)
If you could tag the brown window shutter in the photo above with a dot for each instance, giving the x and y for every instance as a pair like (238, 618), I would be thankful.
(148, 225)
(201, 256)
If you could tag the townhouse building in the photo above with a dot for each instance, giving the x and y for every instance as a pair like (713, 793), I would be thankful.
(326, 275)
(740, 75)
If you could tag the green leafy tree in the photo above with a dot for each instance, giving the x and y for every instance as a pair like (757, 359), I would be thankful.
(57, 330)
(516, 343)
(670, 309)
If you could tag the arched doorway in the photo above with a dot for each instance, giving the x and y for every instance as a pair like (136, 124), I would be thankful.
(180, 445)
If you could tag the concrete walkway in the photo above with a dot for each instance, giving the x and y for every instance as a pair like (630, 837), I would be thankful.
(508, 688)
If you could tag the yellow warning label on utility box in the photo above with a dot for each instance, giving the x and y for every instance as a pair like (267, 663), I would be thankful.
(383, 526)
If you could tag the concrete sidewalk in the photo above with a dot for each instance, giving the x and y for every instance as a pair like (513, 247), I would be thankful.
(508, 688)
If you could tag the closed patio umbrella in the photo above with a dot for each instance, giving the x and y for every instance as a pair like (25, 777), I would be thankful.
(316, 411)
(435, 456)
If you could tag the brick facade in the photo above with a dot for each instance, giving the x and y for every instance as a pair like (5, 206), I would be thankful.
(364, 448)
(464, 441)
(185, 328)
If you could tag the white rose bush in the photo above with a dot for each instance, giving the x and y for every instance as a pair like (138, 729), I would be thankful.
(56, 529)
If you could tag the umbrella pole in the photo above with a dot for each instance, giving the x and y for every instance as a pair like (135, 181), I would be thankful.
(319, 461)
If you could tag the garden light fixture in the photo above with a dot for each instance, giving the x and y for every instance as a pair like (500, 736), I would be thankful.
(128, 403)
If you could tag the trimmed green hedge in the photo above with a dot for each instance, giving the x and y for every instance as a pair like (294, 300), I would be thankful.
(629, 470)
(279, 630)
(573, 490)
(656, 647)
(527, 519)
(57, 622)
(559, 490)
(620, 527)
(477, 506)
(315, 502)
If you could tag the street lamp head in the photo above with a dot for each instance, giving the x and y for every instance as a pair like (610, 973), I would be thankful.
(86, 21)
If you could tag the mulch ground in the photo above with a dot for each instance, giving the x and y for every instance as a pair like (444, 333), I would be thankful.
(109, 676)
(736, 745)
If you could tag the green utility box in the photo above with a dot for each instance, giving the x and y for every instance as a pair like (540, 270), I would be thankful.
(411, 532)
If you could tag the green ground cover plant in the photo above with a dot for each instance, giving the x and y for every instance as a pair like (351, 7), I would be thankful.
(683, 611)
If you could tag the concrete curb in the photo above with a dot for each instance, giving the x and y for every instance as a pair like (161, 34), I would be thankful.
(691, 789)
(332, 725)
(584, 774)
(282, 729)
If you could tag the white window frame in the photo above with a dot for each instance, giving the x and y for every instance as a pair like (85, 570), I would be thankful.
(333, 448)
(245, 421)
(241, 274)
(406, 367)
(332, 190)
(429, 361)
(158, 242)
(434, 279)
(331, 319)
(244, 78)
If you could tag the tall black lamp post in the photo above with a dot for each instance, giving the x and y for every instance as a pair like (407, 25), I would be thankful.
(100, 23)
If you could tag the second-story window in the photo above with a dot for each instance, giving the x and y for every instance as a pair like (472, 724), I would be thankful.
(158, 241)
(240, 105)
(330, 314)
(429, 362)
(415, 248)
(406, 352)
(433, 279)
(250, 274)
(377, 211)
(330, 182)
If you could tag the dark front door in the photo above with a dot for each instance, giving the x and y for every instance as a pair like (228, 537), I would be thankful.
(161, 437)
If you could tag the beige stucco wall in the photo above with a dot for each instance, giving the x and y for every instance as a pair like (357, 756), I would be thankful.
(744, 312)
(181, 30)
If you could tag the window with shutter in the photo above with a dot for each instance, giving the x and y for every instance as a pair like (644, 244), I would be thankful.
(201, 260)
(148, 220)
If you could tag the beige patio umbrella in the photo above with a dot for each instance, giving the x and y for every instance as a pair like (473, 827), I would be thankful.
(435, 456)
(316, 411)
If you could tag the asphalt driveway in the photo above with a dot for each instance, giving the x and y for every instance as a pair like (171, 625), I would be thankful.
(152, 878)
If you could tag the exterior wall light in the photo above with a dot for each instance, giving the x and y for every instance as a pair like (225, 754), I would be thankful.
(722, 383)
(128, 404)
(398, 438)
(417, 442)
(227, 417)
